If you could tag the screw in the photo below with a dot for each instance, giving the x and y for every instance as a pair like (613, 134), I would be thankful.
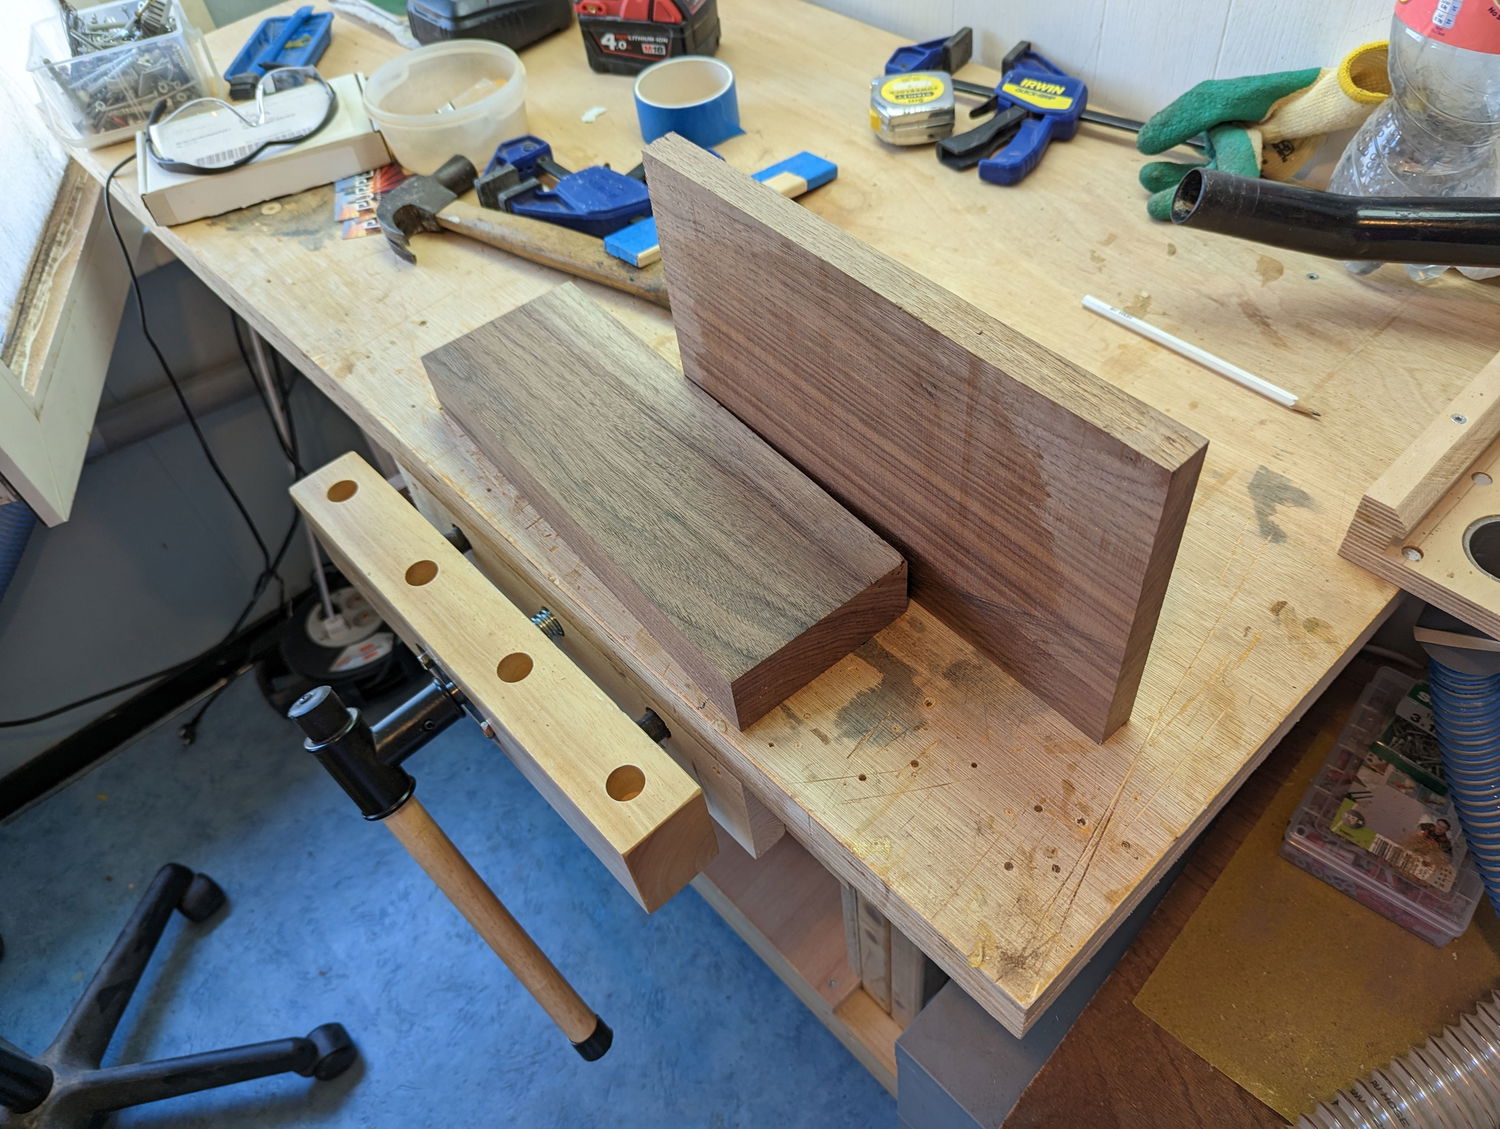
(547, 622)
(487, 729)
(1456, 418)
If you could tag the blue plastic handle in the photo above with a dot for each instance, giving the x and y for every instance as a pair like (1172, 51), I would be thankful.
(1024, 152)
(268, 58)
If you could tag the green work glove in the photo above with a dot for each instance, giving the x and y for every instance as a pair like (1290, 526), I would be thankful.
(1267, 125)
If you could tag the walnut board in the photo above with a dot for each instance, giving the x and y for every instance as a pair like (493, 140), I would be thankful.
(750, 575)
(1040, 508)
(1014, 844)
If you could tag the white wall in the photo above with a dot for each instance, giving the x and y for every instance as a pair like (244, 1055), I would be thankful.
(1137, 55)
(154, 564)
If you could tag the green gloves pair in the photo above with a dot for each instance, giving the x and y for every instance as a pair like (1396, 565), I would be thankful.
(1262, 125)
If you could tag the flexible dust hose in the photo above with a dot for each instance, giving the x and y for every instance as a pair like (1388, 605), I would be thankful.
(1466, 715)
(1461, 232)
(1463, 678)
(16, 523)
(1452, 1079)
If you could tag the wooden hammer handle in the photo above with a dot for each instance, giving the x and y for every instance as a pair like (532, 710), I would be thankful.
(569, 251)
(425, 841)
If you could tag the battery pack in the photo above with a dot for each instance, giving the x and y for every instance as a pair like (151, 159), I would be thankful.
(627, 36)
(515, 23)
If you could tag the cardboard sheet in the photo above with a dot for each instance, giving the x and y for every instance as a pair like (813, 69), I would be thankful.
(1294, 989)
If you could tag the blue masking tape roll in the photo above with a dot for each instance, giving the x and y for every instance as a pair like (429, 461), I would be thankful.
(692, 95)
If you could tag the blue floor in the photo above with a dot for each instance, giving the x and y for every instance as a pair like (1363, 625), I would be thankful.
(329, 921)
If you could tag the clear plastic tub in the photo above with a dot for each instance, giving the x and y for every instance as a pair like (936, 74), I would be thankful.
(464, 96)
(1435, 915)
(106, 96)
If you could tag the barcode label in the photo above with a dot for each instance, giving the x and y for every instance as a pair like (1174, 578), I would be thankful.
(1414, 864)
(1402, 859)
(226, 156)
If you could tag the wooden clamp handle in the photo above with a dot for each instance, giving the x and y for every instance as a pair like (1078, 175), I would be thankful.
(435, 853)
(572, 252)
(624, 796)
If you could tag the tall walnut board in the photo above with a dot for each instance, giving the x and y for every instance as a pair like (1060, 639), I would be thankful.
(1039, 508)
(752, 577)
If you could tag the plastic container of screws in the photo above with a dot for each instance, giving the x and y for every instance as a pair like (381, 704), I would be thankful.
(101, 70)
(1366, 823)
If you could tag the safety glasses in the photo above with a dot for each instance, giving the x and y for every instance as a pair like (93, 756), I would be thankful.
(209, 135)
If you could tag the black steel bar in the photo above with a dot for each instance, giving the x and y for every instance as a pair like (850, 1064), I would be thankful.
(414, 722)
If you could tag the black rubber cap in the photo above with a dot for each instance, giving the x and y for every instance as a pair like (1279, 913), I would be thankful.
(592, 1049)
(320, 713)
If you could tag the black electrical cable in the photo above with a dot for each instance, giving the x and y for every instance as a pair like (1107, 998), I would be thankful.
(288, 444)
(187, 732)
(272, 562)
(140, 307)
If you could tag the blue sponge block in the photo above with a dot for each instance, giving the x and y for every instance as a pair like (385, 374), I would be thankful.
(809, 167)
(638, 245)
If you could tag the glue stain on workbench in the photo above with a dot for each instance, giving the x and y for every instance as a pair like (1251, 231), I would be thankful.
(1269, 269)
(306, 217)
(1261, 321)
(1270, 490)
(1303, 629)
(876, 716)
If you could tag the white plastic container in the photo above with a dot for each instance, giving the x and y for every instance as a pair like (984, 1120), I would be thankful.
(463, 96)
(106, 96)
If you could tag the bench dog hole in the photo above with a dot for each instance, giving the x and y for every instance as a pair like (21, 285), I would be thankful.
(625, 783)
(514, 667)
(1482, 545)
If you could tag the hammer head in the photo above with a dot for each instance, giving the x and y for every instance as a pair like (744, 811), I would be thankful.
(413, 206)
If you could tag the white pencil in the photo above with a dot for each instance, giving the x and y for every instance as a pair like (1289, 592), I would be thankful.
(1202, 356)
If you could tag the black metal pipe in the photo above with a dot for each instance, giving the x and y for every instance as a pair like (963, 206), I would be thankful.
(414, 722)
(1459, 232)
(345, 745)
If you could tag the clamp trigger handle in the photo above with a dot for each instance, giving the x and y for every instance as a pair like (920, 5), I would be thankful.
(967, 149)
(1014, 161)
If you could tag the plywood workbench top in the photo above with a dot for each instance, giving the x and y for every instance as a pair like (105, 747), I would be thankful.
(989, 831)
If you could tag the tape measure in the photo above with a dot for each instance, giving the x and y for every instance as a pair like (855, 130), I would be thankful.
(912, 109)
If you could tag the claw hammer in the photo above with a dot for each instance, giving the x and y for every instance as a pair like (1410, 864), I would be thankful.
(431, 203)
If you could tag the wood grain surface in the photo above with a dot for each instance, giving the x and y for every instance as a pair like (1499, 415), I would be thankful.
(1116, 1069)
(1412, 525)
(748, 573)
(643, 816)
(1040, 507)
(997, 837)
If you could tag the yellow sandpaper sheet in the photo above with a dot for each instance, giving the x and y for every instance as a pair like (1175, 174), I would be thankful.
(1294, 989)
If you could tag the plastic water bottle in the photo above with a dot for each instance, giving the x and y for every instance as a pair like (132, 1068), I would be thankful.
(1436, 134)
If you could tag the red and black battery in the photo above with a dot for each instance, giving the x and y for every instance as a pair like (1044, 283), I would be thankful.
(626, 36)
